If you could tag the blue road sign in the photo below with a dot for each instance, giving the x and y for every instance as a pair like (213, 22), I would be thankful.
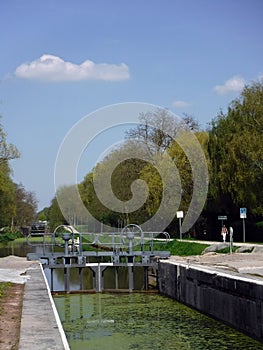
(243, 213)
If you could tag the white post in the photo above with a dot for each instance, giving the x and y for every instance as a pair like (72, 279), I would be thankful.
(180, 215)
(180, 227)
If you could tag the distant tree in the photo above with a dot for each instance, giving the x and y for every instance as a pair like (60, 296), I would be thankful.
(26, 206)
(7, 187)
(42, 215)
(55, 216)
(7, 196)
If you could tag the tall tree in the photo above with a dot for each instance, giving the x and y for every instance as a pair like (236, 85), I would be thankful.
(158, 128)
(26, 206)
(7, 196)
(107, 191)
(115, 192)
(182, 185)
(7, 187)
(236, 150)
(55, 217)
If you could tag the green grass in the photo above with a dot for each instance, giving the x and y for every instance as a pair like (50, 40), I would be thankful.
(21, 239)
(182, 248)
(4, 286)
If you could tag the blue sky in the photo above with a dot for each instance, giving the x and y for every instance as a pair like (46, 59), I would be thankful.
(61, 60)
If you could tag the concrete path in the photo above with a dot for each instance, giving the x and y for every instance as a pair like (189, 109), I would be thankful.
(40, 325)
(247, 265)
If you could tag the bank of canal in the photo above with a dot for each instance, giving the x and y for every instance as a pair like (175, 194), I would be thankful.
(142, 321)
(120, 321)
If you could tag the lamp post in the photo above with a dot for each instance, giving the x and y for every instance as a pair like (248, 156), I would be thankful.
(180, 215)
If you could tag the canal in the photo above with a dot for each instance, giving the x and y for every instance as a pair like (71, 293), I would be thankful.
(139, 321)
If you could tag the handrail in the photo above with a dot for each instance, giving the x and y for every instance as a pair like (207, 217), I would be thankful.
(130, 236)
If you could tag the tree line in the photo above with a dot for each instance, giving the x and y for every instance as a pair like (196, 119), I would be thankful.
(17, 205)
(232, 147)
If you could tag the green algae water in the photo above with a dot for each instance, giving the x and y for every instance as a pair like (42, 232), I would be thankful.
(139, 321)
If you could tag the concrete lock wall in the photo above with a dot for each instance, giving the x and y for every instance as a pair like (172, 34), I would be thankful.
(235, 301)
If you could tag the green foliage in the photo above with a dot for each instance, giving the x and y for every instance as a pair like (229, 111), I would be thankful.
(260, 224)
(7, 196)
(17, 206)
(55, 216)
(233, 150)
(236, 150)
(259, 228)
(114, 181)
(26, 206)
(90, 199)
(7, 189)
(10, 236)
(43, 214)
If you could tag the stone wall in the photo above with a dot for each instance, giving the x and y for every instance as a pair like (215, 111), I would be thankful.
(233, 300)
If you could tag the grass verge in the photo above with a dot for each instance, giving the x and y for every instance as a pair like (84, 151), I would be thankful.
(182, 248)
(4, 288)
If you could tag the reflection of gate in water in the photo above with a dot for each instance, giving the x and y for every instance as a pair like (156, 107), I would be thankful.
(130, 250)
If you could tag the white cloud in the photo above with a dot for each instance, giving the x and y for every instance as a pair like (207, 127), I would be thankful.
(53, 68)
(234, 84)
(180, 104)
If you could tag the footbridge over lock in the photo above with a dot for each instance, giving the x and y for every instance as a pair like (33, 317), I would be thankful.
(67, 248)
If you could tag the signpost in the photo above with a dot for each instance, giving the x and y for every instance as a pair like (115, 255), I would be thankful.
(180, 215)
(222, 218)
(243, 216)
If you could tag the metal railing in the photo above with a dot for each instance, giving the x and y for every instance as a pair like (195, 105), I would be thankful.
(131, 238)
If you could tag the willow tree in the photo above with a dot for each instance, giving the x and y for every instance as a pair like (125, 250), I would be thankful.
(116, 191)
(184, 182)
(236, 150)
(107, 191)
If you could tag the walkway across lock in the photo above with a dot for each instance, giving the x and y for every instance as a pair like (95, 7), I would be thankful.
(130, 248)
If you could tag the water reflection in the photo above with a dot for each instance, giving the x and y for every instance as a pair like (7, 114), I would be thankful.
(85, 281)
(21, 249)
(142, 321)
(17, 248)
